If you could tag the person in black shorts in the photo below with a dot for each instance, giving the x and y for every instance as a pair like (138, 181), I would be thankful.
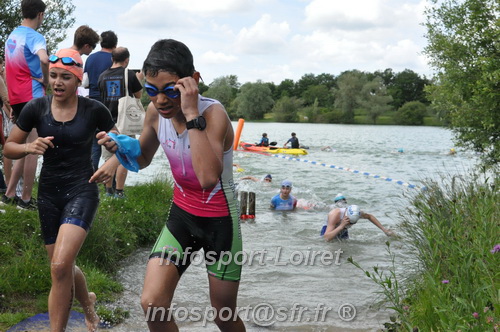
(67, 201)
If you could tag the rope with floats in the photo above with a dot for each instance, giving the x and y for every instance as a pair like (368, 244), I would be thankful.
(388, 179)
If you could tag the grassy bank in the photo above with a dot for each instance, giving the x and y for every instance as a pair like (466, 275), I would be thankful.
(453, 231)
(120, 227)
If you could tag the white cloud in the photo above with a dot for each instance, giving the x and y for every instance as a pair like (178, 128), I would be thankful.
(181, 14)
(212, 57)
(345, 15)
(264, 37)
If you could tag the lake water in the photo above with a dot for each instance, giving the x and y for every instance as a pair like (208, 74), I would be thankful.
(288, 279)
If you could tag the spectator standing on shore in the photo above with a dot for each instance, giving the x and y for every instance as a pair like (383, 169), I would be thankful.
(112, 86)
(67, 201)
(26, 68)
(85, 40)
(6, 124)
(94, 66)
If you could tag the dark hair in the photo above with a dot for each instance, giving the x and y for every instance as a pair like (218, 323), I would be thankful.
(264, 134)
(120, 54)
(293, 134)
(85, 35)
(31, 8)
(109, 39)
(171, 56)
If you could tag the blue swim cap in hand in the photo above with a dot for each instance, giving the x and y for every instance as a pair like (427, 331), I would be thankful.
(128, 151)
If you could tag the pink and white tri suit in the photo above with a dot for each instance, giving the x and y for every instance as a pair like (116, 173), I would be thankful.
(188, 193)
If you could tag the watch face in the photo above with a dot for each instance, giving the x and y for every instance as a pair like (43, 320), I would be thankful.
(202, 123)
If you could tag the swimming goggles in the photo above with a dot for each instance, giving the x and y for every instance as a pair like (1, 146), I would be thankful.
(66, 60)
(168, 91)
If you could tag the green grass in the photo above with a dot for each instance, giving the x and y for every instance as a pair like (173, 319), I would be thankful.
(452, 227)
(120, 227)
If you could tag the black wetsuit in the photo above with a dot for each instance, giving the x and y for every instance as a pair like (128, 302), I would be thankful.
(294, 142)
(64, 192)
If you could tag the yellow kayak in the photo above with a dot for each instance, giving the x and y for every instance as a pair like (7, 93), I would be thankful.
(287, 151)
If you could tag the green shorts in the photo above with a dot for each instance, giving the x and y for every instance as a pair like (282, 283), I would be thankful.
(185, 234)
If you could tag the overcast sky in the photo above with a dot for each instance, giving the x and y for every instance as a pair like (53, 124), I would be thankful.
(270, 40)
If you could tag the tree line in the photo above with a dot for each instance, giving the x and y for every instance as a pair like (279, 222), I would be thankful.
(326, 98)
(464, 94)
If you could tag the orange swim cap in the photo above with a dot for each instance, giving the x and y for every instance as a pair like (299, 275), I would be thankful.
(74, 69)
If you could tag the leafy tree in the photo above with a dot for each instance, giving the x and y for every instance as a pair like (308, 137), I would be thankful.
(285, 88)
(305, 82)
(224, 89)
(348, 93)
(463, 46)
(318, 93)
(387, 76)
(254, 100)
(286, 109)
(58, 18)
(327, 80)
(374, 98)
(202, 87)
(411, 113)
(407, 86)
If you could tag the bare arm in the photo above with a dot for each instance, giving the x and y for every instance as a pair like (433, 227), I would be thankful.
(207, 146)
(17, 148)
(138, 94)
(149, 137)
(44, 63)
(248, 177)
(377, 223)
(333, 229)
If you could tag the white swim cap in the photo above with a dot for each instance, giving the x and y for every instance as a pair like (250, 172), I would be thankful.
(339, 197)
(353, 213)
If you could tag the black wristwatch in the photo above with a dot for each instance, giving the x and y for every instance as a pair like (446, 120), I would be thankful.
(199, 123)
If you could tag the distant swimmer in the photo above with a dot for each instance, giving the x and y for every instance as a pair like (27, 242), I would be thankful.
(268, 178)
(452, 152)
(340, 219)
(327, 149)
(284, 201)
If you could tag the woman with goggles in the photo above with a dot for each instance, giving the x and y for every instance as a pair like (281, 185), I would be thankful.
(67, 201)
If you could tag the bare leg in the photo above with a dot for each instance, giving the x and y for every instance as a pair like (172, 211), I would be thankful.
(15, 175)
(27, 168)
(223, 295)
(87, 300)
(7, 169)
(159, 287)
(121, 176)
(62, 269)
(29, 171)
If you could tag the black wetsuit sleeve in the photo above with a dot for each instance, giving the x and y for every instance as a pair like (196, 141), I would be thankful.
(104, 120)
(31, 113)
(134, 84)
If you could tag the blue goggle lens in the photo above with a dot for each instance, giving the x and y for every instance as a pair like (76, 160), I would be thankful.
(169, 91)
